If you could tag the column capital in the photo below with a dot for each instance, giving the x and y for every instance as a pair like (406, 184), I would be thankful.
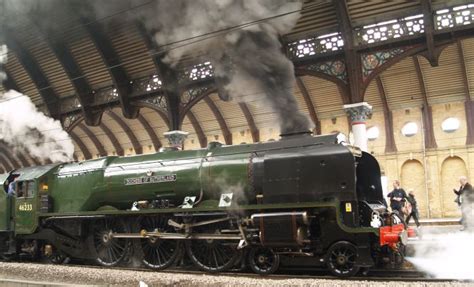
(359, 112)
(176, 138)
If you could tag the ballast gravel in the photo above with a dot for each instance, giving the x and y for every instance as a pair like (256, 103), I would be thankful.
(73, 275)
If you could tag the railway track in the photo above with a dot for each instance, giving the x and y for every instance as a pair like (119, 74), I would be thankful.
(404, 275)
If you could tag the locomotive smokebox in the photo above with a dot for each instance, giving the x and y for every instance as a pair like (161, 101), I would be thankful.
(296, 134)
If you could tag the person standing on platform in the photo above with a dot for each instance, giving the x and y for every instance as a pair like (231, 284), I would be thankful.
(465, 199)
(397, 197)
(414, 208)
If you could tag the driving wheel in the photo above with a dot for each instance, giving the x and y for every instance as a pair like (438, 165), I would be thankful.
(263, 261)
(156, 253)
(341, 259)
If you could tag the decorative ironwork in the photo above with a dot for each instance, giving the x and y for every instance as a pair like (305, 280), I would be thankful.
(70, 104)
(454, 17)
(146, 85)
(388, 30)
(372, 61)
(70, 119)
(158, 101)
(106, 95)
(197, 72)
(335, 68)
(315, 45)
(193, 93)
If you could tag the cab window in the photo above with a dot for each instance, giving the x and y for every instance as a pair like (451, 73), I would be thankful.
(25, 189)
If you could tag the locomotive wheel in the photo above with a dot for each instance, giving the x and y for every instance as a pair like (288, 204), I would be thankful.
(341, 258)
(263, 260)
(109, 251)
(153, 252)
(212, 255)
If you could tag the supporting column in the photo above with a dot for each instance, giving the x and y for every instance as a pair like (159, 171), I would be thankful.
(359, 114)
(176, 138)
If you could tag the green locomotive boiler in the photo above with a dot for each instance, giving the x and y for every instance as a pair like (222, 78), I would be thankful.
(301, 200)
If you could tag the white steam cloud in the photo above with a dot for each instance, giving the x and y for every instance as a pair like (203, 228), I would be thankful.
(445, 255)
(448, 254)
(23, 127)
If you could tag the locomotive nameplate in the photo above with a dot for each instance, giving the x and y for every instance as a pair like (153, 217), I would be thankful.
(150, 179)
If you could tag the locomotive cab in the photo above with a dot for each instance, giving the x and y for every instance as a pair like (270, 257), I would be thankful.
(369, 191)
(5, 204)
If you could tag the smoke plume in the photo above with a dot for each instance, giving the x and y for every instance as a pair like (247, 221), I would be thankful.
(241, 41)
(23, 127)
(3, 60)
(249, 62)
(245, 51)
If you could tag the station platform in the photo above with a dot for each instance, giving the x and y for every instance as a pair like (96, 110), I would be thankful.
(436, 221)
(6, 282)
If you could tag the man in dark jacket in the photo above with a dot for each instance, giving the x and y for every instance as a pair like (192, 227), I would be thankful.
(414, 208)
(397, 197)
(466, 200)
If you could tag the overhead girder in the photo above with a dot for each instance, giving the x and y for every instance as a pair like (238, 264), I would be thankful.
(76, 76)
(9, 83)
(85, 151)
(13, 156)
(427, 113)
(13, 163)
(154, 138)
(220, 119)
(28, 62)
(6, 164)
(23, 160)
(388, 116)
(250, 121)
(352, 59)
(111, 59)
(197, 128)
(118, 148)
(469, 103)
(427, 9)
(99, 146)
(131, 136)
(168, 76)
(309, 104)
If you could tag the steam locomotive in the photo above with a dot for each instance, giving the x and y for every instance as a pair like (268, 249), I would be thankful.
(301, 200)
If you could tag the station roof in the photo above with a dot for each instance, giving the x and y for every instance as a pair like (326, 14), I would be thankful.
(412, 53)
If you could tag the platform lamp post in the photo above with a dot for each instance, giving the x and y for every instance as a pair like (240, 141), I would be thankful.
(359, 114)
(176, 138)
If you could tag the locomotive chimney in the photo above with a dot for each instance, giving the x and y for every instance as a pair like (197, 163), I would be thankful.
(176, 139)
(296, 134)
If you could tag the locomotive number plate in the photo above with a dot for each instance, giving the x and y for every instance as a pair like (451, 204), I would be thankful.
(25, 207)
(150, 179)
